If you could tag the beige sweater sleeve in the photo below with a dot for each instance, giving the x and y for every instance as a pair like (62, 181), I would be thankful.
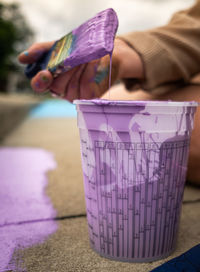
(170, 54)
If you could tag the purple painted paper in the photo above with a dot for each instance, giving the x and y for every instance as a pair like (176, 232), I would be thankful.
(25, 210)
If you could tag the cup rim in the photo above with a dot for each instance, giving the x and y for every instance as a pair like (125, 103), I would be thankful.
(154, 103)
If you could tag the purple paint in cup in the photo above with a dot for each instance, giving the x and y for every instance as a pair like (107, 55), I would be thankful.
(134, 160)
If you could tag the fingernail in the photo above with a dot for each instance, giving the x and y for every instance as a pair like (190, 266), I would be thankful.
(26, 53)
(54, 94)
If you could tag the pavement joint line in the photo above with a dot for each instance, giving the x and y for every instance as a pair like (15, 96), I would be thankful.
(59, 218)
(191, 201)
(70, 216)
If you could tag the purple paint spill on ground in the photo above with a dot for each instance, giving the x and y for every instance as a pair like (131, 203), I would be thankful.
(22, 199)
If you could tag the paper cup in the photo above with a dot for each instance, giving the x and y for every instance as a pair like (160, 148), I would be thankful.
(134, 160)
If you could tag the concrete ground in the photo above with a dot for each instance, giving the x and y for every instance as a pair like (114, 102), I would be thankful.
(13, 109)
(68, 249)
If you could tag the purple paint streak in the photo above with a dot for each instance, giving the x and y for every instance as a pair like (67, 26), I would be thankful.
(22, 199)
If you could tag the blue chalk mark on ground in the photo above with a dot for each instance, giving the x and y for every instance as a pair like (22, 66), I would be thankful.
(53, 108)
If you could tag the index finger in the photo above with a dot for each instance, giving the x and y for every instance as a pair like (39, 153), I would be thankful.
(33, 53)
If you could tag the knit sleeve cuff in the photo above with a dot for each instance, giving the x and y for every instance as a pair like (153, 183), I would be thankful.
(159, 67)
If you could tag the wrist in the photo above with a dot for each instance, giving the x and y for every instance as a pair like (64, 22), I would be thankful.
(129, 61)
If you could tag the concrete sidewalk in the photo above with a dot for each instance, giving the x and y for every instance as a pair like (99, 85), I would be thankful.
(13, 109)
(68, 249)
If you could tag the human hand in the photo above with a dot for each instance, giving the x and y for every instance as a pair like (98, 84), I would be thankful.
(88, 80)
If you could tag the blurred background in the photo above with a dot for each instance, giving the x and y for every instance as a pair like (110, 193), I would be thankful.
(23, 22)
